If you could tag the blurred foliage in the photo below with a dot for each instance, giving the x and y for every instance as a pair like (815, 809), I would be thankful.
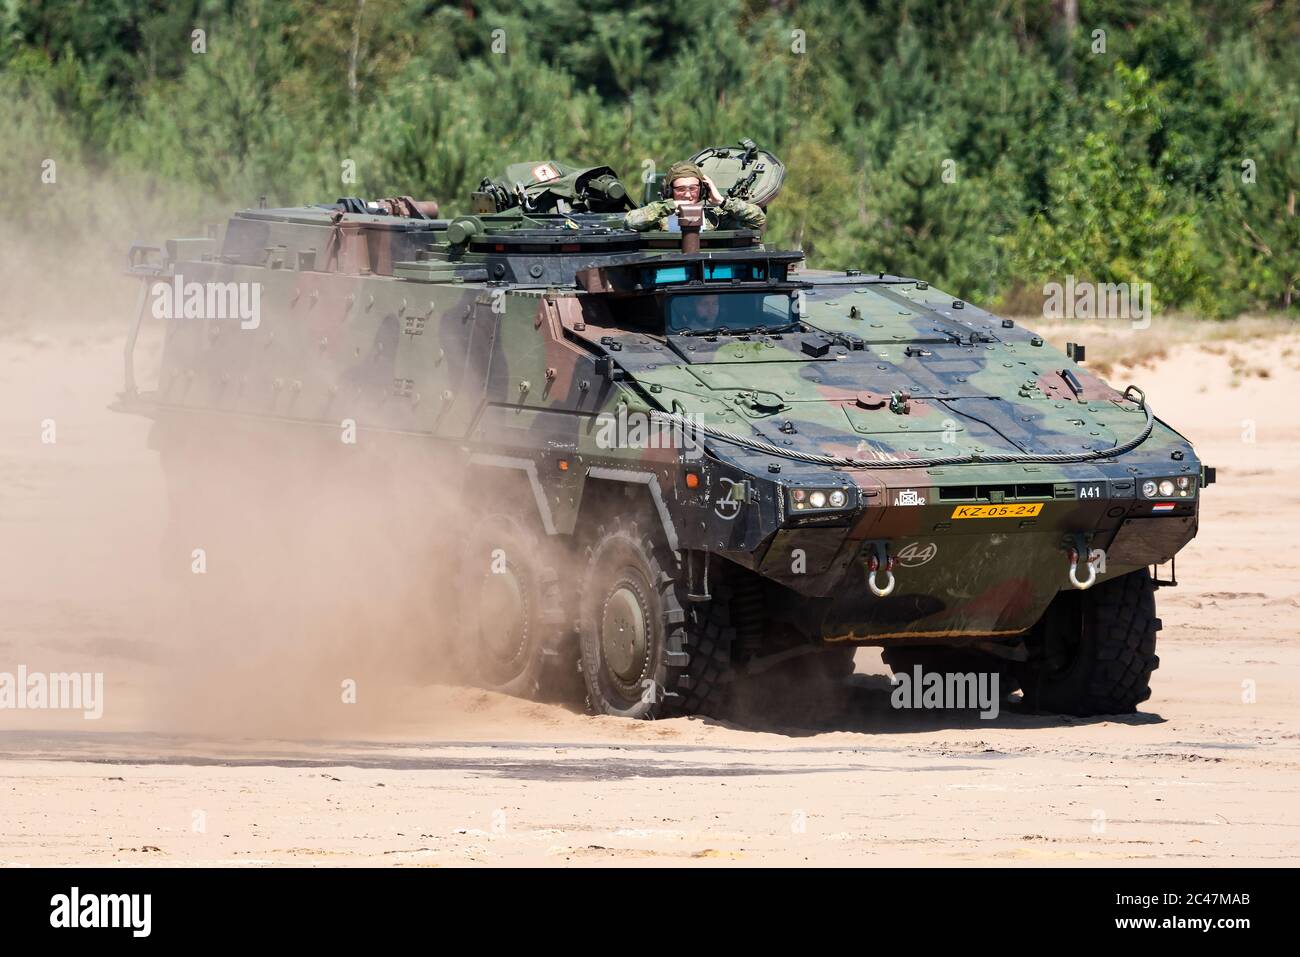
(988, 146)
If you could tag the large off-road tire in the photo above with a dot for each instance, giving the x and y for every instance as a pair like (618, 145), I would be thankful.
(1094, 651)
(647, 652)
(510, 607)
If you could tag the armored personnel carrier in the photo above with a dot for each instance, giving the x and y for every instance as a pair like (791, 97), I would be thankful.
(681, 458)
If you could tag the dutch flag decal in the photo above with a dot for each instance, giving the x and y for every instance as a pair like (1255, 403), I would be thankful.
(1162, 507)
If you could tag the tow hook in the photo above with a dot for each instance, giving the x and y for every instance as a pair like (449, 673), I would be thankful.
(1096, 558)
(880, 557)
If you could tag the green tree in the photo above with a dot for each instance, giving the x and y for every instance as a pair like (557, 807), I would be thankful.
(1256, 227)
(1111, 217)
(926, 217)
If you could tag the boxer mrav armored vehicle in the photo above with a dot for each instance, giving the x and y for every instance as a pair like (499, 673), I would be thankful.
(680, 458)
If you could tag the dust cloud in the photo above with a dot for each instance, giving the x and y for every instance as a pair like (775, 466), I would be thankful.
(226, 580)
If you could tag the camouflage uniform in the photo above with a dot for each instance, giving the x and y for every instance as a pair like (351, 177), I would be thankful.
(734, 213)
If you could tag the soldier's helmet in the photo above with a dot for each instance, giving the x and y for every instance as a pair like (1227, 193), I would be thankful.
(677, 171)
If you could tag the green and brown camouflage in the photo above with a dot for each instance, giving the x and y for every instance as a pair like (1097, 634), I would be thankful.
(731, 213)
(882, 462)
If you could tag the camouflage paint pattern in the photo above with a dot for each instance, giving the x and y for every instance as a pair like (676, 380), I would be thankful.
(507, 348)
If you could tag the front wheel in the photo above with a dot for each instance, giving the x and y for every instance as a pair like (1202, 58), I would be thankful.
(643, 654)
(1094, 651)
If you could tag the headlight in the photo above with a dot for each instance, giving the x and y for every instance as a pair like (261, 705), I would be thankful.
(1149, 489)
(1166, 487)
(807, 500)
(1184, 481)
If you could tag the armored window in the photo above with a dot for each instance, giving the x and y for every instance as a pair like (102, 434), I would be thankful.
(731, 312)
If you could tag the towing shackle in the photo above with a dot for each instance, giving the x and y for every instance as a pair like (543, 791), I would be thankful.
(880, 558)
(1096, 561)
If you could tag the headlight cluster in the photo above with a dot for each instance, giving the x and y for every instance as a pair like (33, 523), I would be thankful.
(802, 500)
(1180, 487)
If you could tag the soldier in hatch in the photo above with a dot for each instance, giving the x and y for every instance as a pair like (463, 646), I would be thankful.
(685, 182)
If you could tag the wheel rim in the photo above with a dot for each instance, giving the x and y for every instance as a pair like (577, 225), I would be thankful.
(624, 638)
(503, 624)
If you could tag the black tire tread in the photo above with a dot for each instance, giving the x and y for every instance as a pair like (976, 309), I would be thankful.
(549, 613)
(1117, 657)
(696, 654)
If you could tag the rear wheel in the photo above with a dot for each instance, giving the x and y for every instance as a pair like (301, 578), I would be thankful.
(1094, 651)
(510, 608)
(644, 655)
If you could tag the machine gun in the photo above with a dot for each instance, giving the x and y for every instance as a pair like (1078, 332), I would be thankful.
(743, 171)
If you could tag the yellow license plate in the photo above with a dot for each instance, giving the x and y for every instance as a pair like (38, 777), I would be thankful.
(1025, 510)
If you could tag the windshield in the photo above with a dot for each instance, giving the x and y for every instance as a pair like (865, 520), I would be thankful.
(730, 312)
